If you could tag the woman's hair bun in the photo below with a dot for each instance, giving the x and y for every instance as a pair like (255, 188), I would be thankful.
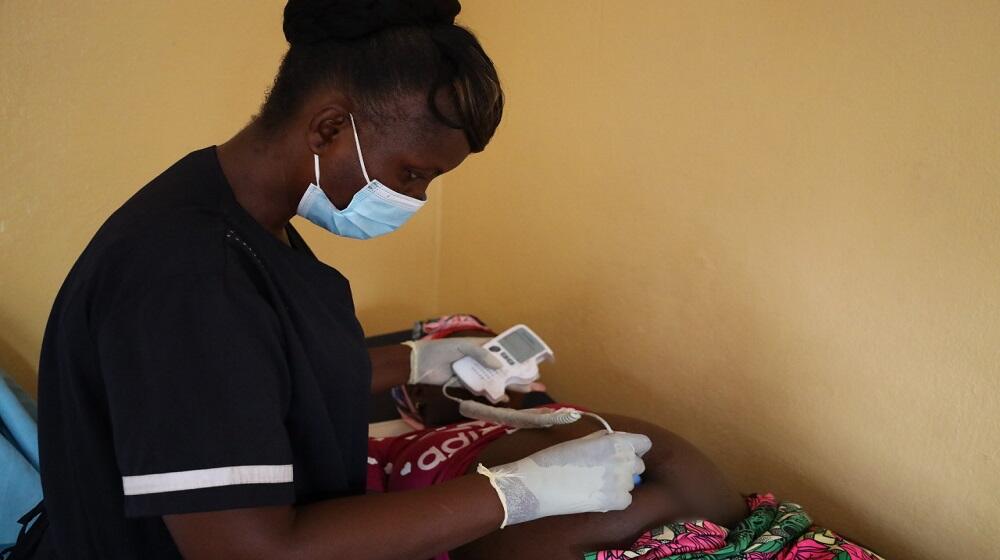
(309, 22)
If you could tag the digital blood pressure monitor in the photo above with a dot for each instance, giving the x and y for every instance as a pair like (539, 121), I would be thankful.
(520, 351)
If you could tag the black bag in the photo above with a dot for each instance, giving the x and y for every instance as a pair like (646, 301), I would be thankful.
(29, 542)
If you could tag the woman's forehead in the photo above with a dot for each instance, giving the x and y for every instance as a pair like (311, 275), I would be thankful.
(419, 134)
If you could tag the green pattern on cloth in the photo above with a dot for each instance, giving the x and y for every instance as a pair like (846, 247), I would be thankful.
(771, 531)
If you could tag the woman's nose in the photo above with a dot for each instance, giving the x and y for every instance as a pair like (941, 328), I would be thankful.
(418, 193)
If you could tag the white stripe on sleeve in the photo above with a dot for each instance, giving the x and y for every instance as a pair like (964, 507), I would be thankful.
(206, 478)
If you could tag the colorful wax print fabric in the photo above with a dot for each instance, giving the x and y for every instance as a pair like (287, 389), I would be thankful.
(772, 531)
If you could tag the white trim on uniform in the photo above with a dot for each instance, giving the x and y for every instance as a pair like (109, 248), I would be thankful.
(206, 478)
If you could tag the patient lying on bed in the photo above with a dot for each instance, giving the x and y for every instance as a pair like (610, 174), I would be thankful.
(679, 482)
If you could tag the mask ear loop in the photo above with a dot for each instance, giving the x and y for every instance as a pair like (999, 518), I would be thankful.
(357, 144)
(316, 167)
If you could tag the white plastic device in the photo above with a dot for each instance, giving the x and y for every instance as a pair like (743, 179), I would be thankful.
(519, 349)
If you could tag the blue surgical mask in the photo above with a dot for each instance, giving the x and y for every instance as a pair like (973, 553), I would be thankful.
(375, 209)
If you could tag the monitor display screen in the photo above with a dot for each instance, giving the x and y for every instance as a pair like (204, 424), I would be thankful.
(521, 345)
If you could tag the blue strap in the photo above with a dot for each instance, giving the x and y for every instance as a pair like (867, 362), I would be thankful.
(18, 416)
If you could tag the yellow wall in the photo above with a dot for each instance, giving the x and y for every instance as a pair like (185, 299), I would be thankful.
(98, 98)
(772, 227)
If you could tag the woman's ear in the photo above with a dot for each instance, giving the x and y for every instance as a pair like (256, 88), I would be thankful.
(325, 126)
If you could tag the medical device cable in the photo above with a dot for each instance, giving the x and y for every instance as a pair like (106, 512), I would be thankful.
(524, 418)
(519, 418)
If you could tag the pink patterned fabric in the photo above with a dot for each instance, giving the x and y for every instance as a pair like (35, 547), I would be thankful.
(772, 531)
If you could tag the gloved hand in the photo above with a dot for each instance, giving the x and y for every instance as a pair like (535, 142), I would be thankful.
(430, 360)
(588, 474)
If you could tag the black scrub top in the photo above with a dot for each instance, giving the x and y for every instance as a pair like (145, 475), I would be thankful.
(194, 362)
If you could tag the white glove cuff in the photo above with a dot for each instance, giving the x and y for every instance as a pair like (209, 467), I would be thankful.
(413, 380)
(493, 482)
(519, 503)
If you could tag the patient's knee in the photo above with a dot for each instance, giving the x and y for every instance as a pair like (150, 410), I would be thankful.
(694, 481)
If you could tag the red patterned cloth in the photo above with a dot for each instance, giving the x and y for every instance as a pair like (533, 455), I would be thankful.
(428, 456)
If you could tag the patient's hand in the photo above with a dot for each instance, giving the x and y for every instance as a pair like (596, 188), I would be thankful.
(526, 388)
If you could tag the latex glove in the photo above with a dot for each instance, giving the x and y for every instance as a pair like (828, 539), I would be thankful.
(589, 474)
(430, 360)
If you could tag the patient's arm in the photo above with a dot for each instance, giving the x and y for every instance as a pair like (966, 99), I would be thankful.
(679, 482)
(390, 366)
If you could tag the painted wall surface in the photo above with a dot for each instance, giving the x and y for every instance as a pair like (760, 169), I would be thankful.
(773, 227)
(97, 98)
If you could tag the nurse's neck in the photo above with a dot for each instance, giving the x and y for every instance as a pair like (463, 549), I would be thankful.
(255, 167)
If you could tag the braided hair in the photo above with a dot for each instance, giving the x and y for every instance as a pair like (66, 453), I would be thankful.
(376, 52)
